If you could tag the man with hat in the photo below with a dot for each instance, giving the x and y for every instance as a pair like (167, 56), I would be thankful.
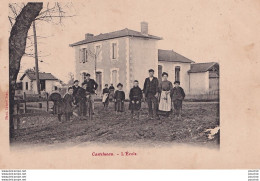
(151, 94)
(91, 88)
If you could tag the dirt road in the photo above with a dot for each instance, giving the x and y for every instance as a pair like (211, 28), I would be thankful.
(108, 127)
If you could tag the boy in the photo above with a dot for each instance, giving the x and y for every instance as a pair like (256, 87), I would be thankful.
(135, 96)
(68, 104)
(75, 87)
(119, 98)
(177, 95)
(105, 99)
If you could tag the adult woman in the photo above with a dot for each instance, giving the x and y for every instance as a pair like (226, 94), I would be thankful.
(165, 88)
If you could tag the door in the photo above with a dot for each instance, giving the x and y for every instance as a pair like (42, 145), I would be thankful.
(42, 85)
(99, 82)
(114, 78)
(159, 73)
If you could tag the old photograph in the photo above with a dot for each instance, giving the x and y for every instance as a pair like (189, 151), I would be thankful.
(125, 80)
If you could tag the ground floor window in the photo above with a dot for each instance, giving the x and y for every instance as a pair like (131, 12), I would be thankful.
(177, 73)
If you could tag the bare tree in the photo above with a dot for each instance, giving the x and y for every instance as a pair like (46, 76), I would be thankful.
(21, 17)
(71, 78)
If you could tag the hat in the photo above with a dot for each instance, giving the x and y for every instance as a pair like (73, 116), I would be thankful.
(176, 82)
(151, 70)
(106, 84)
(70, 88)
(75, 81)
(119, 85)
(88, 74)
(164, 73)
(136, 81)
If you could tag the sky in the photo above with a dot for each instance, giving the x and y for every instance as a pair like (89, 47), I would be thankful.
(201, 30)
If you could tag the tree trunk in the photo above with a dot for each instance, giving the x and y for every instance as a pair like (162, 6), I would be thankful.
(17, 45)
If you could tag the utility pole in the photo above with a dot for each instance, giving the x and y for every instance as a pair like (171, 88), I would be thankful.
(36, 59)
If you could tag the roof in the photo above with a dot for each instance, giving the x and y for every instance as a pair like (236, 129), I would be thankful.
(116, 34)
(202, 67)
(42, 76)
(172, 56)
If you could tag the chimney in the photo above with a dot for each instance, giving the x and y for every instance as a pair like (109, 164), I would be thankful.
(144, 28)
(88, 35)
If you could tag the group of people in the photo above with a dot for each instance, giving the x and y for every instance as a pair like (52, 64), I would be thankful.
(162, 97)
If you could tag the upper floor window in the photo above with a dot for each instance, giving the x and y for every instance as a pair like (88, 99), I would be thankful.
(26, 86)
(83, 55)
(114, 50)
(177, 73)
(98, 52)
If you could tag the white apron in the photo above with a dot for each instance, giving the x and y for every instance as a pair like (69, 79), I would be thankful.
(165, 101)
(104, 97)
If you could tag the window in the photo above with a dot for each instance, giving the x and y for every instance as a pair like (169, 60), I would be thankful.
(83, 55)
(26, 85)
(177, 73)
(114, 77)
(114, 50)
(98, 52)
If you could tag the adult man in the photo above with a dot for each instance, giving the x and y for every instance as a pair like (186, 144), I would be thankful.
(75, 90)
(91, 88)
(151, 93)
(81, 97)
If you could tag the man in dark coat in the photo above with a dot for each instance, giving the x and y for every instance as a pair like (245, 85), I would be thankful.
(91, 88)
(81, 97)
(151, 94)
(135, 96)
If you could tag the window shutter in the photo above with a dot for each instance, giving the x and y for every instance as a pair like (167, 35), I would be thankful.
(80, 55)
(83, 55)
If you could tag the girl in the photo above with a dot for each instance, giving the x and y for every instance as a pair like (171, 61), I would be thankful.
(68, 104)
(105, 98)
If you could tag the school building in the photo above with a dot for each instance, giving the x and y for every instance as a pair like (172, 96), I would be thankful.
(126, 55)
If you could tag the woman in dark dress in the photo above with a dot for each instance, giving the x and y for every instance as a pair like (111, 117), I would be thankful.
(135, 96)
(119, 98)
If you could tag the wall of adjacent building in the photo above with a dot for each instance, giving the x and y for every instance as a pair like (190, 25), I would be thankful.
(199, 83)
(169, 67)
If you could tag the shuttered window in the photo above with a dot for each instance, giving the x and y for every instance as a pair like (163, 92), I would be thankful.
(177, 73)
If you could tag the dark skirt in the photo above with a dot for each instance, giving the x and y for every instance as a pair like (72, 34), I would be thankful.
(135, 106)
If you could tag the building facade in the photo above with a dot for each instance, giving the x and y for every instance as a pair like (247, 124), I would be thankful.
(126, 55)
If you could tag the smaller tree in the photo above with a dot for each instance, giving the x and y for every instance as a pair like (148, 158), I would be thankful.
(71, 78)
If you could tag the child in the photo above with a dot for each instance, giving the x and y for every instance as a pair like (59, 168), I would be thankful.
(119, 98)
(68, 104)
(135, 96)
(177, 95)
(81, 97)
(105, 98)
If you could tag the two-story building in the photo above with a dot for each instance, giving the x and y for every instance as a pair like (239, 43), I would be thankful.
(120, 56)
(127, 55)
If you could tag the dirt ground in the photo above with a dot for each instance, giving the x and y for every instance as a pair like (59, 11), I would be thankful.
(108, 127)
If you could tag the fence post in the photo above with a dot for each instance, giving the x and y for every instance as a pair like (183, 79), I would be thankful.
(47, 97)
(18, 118)
(24, 97)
